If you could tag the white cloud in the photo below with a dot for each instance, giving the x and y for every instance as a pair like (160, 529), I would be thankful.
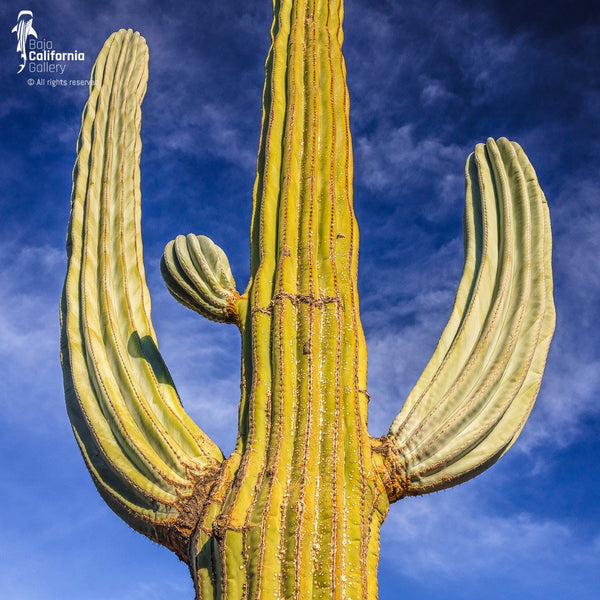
(435, 92)
(454, 534)
(210, 131)
(396, 161)
(30, 283)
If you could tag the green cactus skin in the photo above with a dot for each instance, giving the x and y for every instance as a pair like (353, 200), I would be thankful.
(198, 275)
(295, 511)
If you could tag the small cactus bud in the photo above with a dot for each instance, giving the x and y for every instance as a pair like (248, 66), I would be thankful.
(198, 275)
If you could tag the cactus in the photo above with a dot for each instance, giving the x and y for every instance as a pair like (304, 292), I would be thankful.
(295, 511)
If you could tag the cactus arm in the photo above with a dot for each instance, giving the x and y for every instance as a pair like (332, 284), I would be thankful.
(148, 459)
(478, 389)
(198, 275)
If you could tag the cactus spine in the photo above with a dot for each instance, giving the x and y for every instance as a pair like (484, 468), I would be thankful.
(295, 511)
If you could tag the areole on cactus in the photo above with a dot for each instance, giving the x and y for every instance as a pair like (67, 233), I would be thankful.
(295, 511)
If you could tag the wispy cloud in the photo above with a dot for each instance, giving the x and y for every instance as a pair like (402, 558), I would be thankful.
(453, 535)
(391, 159)
(30, 282)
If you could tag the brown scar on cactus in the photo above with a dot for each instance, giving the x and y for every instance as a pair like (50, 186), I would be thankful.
(275, 519)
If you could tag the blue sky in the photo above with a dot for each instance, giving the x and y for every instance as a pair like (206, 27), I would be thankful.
(428, 80)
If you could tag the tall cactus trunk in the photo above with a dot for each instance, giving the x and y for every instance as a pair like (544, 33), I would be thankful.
(300, 517)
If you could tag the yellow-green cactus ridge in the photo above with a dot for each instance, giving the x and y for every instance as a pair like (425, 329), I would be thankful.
(295, 511)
